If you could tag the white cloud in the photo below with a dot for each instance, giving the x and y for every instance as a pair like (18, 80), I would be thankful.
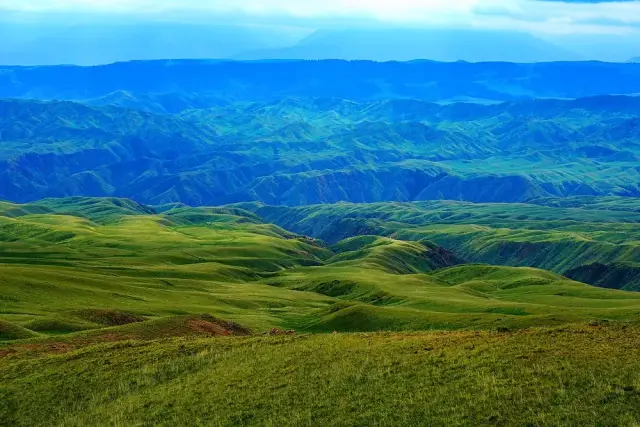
(533, 15)
(70, 5)
(293, 7)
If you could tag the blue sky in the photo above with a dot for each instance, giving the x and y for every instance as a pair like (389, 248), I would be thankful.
(613, 17)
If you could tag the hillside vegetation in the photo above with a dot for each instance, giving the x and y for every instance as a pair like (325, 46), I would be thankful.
(575, 376)
(320, 243)
(593, 240)
(299, 151)
(80, 264)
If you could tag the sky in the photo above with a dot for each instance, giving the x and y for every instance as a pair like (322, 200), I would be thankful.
(586, 16)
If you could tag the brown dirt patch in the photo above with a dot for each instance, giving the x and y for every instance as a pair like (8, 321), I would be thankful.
(231, 327)
(113, 337)
(59, 347)
(208, 328)
(5, 353)
(37, 349)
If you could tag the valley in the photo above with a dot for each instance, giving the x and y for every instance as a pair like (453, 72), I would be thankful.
(571, 236)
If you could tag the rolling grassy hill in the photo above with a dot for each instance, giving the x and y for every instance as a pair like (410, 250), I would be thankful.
(114, 254)
(69, 265)
(594, 240)
(113, 312)
(155, 226)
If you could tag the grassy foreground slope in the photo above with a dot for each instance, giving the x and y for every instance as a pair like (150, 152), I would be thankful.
(74, 265)
(590, 239)
(571, 376)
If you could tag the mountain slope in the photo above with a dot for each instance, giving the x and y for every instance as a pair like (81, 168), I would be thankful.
(588, 239)
(297, 151)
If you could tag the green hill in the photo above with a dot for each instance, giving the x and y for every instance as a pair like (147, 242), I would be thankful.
(113, 312)
(81, 264)
(320, 243)
(594, 240)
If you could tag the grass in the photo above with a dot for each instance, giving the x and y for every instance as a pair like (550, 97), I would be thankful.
(113, 314)
(9, 331)
(53, 267)
(574, 376)
(117, 313)
(83, 264)
(467, 296)
(567, 236)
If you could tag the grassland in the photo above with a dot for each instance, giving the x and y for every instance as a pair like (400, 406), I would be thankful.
(592, 239)
(55, 266)
(260, 313)
(116, 313)
(571, 376)
(72, 265)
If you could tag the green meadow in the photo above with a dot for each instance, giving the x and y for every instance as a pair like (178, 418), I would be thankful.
(570, 376)
(62, 260)
(590, 239)
(117, 313)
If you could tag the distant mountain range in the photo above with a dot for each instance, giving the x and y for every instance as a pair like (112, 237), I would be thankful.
(212, 80)
(297, 151)
(53, 43)
(301, 132)
(407, 44)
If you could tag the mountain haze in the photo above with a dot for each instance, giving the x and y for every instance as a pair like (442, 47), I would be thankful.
(93, 40)
(355, 80)
(398, 44)
(107, 42)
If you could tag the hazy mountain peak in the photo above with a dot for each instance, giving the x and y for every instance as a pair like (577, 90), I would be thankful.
(404, 44)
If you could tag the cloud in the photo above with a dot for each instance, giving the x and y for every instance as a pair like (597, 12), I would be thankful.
(290, 7)
(605, 16)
